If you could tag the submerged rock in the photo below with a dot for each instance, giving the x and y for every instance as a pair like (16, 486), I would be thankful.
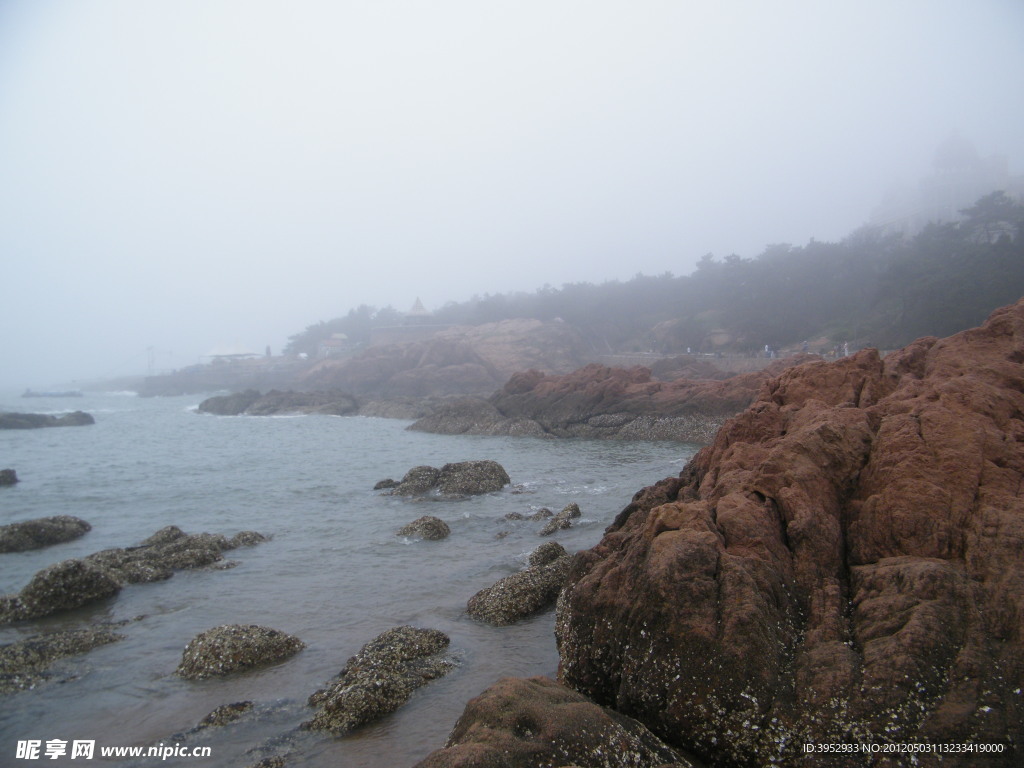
(519, 723)
(225, 714)
(41, 532)
(526, 592)
(8, 477)
(234, 648)
(37, 420)
(562, 520)
(252, 403)
(841, 565)
(380, 678)
(77, 582)
(463, 478)
(426, 527)
(24, 664)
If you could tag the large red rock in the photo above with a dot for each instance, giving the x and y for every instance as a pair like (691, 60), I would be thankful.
(598, 401)
(519, 723)
(844, 564)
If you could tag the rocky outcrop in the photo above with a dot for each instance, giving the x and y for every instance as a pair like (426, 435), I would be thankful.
(426, 527)
(24, 664)
(37, 420)
(252, 403)
(461, 478)
(233, 648)
(601, 402)
(8, 477)
(523, 593)
(41, 532)
(77, 582)
(380, 678)
(519, 723)
(842, 565)
(457, 360)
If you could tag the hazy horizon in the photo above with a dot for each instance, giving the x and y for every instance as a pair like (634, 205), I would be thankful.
(204, 176)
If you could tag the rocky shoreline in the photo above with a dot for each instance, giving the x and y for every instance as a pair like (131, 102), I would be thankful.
(592, 402)
(841, 564)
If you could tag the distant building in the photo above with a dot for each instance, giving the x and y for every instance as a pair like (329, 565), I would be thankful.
(961, 176)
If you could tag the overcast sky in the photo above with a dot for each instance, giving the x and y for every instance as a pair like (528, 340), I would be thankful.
(201, 175)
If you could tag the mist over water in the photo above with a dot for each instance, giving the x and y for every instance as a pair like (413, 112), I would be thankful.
(334, 573)
(190, 178)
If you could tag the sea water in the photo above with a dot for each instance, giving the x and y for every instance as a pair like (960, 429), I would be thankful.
(334, 573)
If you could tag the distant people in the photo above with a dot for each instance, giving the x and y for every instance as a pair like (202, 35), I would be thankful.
(767, 351)
(846, 348)
(803, 347)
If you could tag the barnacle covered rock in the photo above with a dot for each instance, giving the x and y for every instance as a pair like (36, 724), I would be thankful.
(235, 648)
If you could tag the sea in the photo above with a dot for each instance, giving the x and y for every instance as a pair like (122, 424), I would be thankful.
(334, 572)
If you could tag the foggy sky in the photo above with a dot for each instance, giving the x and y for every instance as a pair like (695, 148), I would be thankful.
(198, 176)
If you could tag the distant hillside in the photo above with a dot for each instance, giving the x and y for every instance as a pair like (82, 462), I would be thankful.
(870, 289)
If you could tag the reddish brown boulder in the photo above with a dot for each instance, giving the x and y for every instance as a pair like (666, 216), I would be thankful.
(597, 401)
(519, 723)
(843, 565)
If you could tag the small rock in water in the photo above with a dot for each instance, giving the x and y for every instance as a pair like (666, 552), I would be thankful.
(224, 714)
(8, 477)
(562, 520)
(426, 527)
(235, 648)
(524, 593)
(41, 532)
(380, 678)
(24, 664)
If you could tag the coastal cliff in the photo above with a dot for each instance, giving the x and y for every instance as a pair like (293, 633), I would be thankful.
(843, 564)
(842, 567)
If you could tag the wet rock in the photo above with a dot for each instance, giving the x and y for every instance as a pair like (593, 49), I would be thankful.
(541, 514)
(526, 592)
(523, 723)
(562, 520)
(246, 539)
(274, 761)
(252, 403)
(225, 714)
(8, 477)
(41, 532)
(229, 405)
(417, 481)
(74, 583)
(467, 478)
(462, 478)
(234, 648)
(386, 484)
(60, 587)
(24, 664)
(380, 678)
(841, 565)
(37, 420)
(546, 553)
(426, 527)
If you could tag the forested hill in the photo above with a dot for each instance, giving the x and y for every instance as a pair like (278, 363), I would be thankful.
(870, 289)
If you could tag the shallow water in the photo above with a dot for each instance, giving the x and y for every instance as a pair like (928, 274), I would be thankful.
(334, 574)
